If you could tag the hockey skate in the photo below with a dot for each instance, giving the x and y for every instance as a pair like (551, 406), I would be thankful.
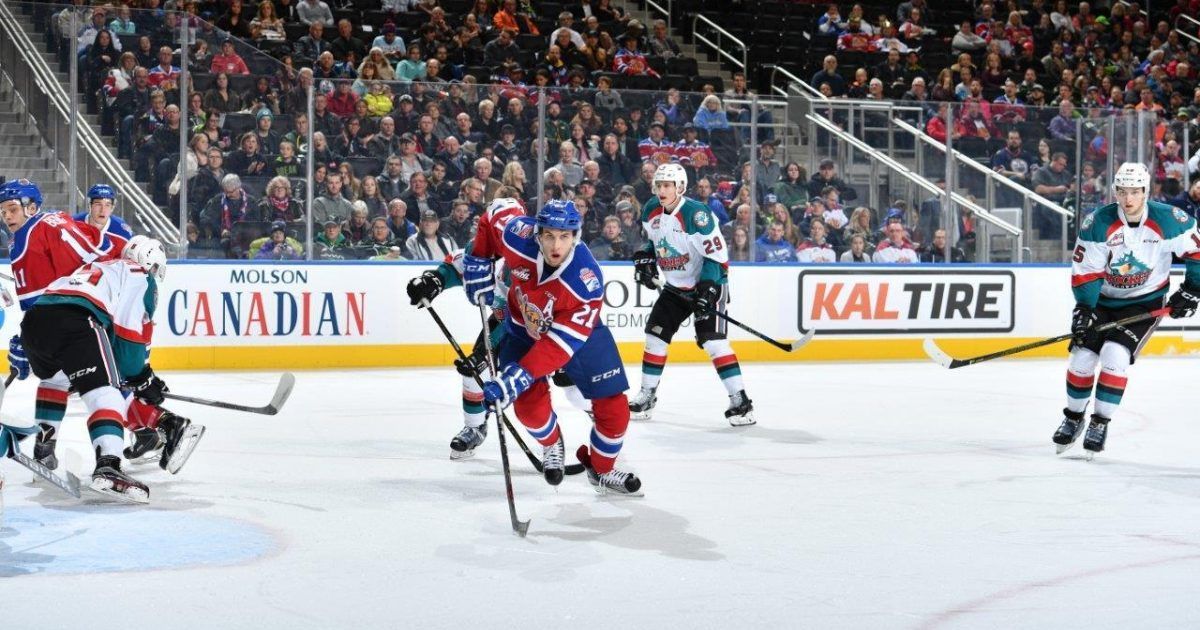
(1068, 431)
(464, 444)
(554, 461)
(642, 405)
(147, 446)
(43, 448)
(741, 410)
(614, 481)
(181, 438)
(1097, 433)
(109, 481)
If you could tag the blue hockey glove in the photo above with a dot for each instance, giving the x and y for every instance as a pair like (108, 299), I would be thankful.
(479, 280)
(17, 360)
(511, 382)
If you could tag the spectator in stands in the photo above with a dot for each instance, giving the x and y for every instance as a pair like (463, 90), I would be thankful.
(514, 178)
(657, 149)
(966, 40)
(267, 24)
(710, 115)
(331, 204)
(220, 98)
(311, 46)
(278, 204)
(228, 61)
(331, 243)
(610, 244)
(975, 122)
(936, 252)
(630, 61)
(615, 167)
(248, 160)
(231, 205)
(452, 157)
(826, 176)
(509, 20)
(568, 164)
(419, 198)
(389, 43)
(268, 140)
(1008, 107)
(460, 225)
(356, 228)
(565, 23)
(1062, 126)
(772, 247)
(399, 224)
(286, 163)
(370, 195)
(428, 142)
(277, 246)
(896, 248)
(661, 43)
(429, 243)
(391, 182)
(816, 248)
(1055, 183)
(314, 11)
(482, 172)
(1189, 201)
(831, 22)
(1013, 161)
(829, 74)
(791, 189)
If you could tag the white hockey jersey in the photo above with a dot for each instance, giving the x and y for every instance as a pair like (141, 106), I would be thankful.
(119, 292)
(687, 242)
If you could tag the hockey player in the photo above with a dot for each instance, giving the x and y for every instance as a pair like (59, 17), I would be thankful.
(1121, 267)
(95, 325)
(553, 322)
(684, 240)
(115, 232)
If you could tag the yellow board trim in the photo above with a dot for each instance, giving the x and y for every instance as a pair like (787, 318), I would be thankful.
(435, 355)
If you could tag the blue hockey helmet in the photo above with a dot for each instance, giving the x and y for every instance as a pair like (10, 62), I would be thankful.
(101, 191)
(22, 190)
(560, 215)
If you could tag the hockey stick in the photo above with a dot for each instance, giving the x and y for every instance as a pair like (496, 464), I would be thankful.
(519, 527)
(70, 485)
(282, 392)
(941, 358)
(573, 469)
(786, 347)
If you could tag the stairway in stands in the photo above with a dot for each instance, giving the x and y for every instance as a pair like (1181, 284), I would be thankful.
(24, 154)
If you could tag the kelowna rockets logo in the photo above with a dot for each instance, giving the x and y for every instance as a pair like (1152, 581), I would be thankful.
(1127, 272)
(537, 320)
(669, 258)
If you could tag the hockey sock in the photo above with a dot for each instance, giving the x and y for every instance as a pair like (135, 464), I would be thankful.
(51, 404)
(608, 433)
(534, 411)
(472, 403)
(575, 397)
(654, 359)
(105, 420)
(1081, 374)
(1114, 361)
(140, 415)
(726, 363)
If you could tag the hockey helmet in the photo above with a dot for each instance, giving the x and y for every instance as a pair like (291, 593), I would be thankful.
(148, 253)
(23, 190)
(500, 203)
(1132, 175)
(101, 191)
(672, 173)
(559, 214)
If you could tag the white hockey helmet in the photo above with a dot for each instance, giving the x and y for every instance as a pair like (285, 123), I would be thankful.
(672, 173)
(148, 253)
(1132, 175)
(503, 203)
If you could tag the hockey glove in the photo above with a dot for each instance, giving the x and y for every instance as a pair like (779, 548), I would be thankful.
(704, 299)
(426, 286)
(148, 387)
(17, 361)
(479, 280)
(473, 365)
(510, 383)
(645, 268)
(1183, 302)
(1082, 320)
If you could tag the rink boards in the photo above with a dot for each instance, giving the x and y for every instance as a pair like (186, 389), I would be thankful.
(326, 315)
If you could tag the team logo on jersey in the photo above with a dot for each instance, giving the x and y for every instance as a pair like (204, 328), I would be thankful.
(669, 258)
(589, 279)
(1117, 239)
(521, 273)
(1127, 272)
(1087, 221)
(537, 320)
(655, 222)
(522, 230)
(1180, 215)
(700, 219)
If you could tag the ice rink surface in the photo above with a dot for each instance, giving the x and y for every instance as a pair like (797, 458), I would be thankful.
(874, 496)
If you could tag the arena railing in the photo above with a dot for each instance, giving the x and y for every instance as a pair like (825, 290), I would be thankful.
(720, 37)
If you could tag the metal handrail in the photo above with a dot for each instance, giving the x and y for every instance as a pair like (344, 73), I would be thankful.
(983, 170)
(663, 10)
(795, 80)
(1184, 16)
(716, 46)
(915, 178)
(144, 208)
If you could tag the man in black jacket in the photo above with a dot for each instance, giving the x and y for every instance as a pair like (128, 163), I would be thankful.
(826, 175)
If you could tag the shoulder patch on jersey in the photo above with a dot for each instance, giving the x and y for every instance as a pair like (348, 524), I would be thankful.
(1088, 221)
(700, 219)
(589, 279)
(1180, 215)
(520, 228)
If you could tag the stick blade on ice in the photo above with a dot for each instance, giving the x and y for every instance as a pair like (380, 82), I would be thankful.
(937, 355)
(286, 383)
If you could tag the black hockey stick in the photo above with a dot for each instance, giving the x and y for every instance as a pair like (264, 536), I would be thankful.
(573, 469)
(519, 527)
(282, 392)
(786, 347)
(941, 358)
(70, 485)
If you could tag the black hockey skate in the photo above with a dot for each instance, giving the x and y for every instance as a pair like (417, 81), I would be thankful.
(554, 461)
(642, 404)
(613, 481)
(464, 444)
(741, 410)
(147, 446)
(181, 438)
(1097, 433)
(43, 448)
(108, 480)
(1068, 431)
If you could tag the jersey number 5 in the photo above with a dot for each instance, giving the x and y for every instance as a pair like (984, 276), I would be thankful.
(712, 245)
(1078, 257)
